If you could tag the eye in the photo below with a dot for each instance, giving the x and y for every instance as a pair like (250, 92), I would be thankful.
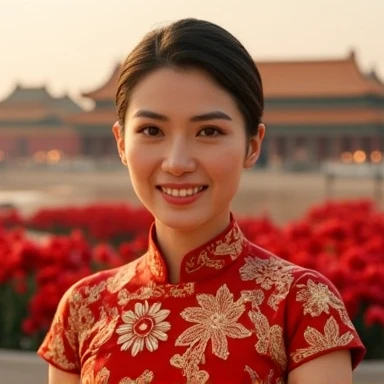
(151, 131)
(210, 131)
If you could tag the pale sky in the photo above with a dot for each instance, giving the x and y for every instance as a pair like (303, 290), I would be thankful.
(73, 45)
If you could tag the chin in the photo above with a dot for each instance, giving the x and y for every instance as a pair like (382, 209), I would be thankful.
(182, 221)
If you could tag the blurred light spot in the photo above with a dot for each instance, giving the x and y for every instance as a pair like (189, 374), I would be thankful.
(376, 156)
(359, 157)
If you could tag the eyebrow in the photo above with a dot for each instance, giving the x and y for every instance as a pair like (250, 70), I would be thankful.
(214, 115)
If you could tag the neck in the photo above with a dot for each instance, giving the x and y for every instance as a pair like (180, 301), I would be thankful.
(175, 243)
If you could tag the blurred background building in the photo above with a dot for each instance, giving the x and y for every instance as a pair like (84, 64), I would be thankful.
(316, 111)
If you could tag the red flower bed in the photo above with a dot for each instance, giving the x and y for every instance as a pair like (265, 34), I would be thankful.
(343, 240)
(98, 222)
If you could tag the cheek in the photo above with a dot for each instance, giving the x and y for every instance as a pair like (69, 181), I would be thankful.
(226, 168)
(139, 162)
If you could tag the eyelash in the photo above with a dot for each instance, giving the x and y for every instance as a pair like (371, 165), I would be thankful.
(147, 128)
(217, 131)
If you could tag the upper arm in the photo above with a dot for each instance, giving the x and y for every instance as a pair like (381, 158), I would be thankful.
(57, 376)
(332, 368)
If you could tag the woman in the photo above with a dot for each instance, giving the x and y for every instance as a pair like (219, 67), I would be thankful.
(203, 305)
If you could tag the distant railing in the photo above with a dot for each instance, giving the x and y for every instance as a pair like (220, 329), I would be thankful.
(373, 171)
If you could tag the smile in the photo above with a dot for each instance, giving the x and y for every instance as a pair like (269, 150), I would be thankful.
(183, 192)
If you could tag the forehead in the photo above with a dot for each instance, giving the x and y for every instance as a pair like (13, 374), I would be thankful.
(180, 91)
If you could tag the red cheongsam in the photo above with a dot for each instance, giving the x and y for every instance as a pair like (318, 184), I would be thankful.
(238, 315)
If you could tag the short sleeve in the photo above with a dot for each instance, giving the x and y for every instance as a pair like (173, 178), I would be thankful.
(60, 346)
(317, 322)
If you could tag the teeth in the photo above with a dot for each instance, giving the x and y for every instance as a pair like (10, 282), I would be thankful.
(182, 192)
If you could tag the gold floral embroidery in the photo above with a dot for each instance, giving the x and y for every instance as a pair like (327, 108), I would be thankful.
(271, 272)
(318, 298)
(89, 376)
(144, 327)
(270, 339)
(81, 319)
(123, 276)
(255, 378)
(215, 254)
(93, 293)
(182, 291)
(145, 378)
(319, 342)
(216, 319)
(256, 297)
(55, 343)
(152, 290)
(232, 245)
(103, 328)
(203, 259)
(102, 377)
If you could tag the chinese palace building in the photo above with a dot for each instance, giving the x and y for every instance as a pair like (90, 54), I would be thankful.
(316, 111)
(32, 124)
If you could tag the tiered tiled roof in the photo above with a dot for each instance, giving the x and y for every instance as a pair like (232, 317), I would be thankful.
(317, 78)
(35, 104)
(284, 80)
(307, 78)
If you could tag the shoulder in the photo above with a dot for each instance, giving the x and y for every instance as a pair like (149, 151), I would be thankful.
(262, 262)
(110, 281)
(290, 286)
(259, 264)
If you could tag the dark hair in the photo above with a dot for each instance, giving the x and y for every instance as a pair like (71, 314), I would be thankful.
(196, 43)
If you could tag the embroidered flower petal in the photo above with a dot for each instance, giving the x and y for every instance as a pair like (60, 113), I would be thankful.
(207, 302)
(224, 299)
(191, 335)
(140, 309)
(124, 328)
(127, 344)
(164, 326)
(219, 344)
(128, 316)
(237, 331)
(151, 343)
(234, 312)
(138, 346)
(196, 315)
(160, 335)
(161, 315)
(155, 308)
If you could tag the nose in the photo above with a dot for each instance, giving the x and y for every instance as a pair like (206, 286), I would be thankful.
(178, 158)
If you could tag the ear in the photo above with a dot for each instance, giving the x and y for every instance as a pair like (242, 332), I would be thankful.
(254, 147)
(119, 137)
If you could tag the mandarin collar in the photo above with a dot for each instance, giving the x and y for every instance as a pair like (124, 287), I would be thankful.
(202, 263)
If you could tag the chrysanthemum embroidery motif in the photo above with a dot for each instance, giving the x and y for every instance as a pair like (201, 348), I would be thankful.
(318, 298)
(143, 327)
(216, 319)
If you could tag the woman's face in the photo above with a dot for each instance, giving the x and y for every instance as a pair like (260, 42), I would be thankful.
(185, 147)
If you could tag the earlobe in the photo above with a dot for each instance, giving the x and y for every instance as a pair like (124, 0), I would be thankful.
(251, 159)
